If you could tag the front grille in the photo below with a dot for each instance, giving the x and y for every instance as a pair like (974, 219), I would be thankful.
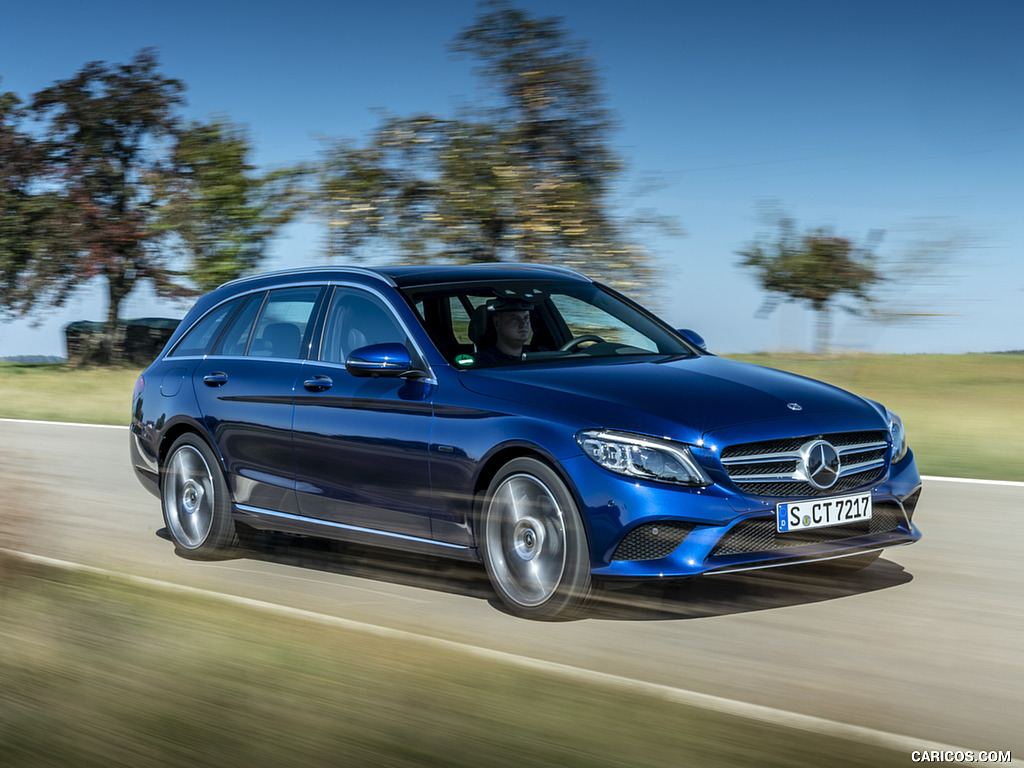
(759, 534)
(652, 541)
(775, 467)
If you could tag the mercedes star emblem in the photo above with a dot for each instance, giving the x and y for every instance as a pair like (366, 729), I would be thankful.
(821, 464)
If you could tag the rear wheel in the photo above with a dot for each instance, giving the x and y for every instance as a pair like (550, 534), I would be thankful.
(534, 544)
(195, 501)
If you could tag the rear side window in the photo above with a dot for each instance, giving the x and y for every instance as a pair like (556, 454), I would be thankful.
(282, 323)
(201, 337)
(236, 338)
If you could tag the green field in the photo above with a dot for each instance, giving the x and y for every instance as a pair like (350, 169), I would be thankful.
(101, 672)
(964, 413)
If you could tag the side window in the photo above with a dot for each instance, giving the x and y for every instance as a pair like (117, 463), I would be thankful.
(236, 338)
(202, 335)
(357, 319)
(282, 323)
(585, 319)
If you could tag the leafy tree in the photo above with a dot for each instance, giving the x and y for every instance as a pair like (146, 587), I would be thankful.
(105, 129)
(221, 211)
(34, 224)
(815, 266)
(525, 177)
(117, 187)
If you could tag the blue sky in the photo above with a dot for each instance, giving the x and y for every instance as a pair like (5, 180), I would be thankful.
(905, 116)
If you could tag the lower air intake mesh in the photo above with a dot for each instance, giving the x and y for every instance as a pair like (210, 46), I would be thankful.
(759, 535)
(652, 541)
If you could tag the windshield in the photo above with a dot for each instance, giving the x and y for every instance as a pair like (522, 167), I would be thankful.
(513, 323)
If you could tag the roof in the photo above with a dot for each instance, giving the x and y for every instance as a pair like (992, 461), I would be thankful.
(405, 276)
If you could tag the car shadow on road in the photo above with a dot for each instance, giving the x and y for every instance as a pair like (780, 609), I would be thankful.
(701, 597)
(723, 595)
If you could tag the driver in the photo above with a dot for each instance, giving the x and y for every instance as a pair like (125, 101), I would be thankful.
(512, 328)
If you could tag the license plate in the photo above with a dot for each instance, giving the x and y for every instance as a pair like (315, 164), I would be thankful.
(818, 513)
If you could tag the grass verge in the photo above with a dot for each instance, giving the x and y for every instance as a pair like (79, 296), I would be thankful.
(100, 672)
(62, 392)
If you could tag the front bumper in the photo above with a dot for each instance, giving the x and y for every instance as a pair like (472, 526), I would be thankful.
(651, 531)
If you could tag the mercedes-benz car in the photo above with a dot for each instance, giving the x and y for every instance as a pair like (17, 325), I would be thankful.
(369, 405)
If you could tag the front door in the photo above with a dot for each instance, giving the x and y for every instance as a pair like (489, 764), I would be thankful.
(361, 444)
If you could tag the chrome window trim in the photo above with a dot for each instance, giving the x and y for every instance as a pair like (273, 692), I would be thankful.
(225, 300)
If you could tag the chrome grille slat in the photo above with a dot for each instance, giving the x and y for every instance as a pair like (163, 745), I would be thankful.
(843, 450)
(762, 458)
(777, 478)
(852, 469)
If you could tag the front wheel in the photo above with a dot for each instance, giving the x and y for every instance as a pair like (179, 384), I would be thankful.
(534, 544)
(196, 506)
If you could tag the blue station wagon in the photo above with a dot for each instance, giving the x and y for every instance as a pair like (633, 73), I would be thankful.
(521, 416)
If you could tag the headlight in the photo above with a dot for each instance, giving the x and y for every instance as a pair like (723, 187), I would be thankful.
(899, 437)
(641, 457)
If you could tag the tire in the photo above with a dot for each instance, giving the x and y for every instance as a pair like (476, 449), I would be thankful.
(195, 501)
(534, 545)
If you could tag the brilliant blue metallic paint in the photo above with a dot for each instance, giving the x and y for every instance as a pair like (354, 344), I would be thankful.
(434, 443)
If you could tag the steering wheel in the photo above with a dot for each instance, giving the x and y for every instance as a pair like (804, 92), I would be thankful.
(573, 344)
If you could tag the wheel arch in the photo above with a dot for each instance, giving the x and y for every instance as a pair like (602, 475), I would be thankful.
(494, 461)
(184, 427)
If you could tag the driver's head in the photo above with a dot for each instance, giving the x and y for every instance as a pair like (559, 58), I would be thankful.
(511, 319)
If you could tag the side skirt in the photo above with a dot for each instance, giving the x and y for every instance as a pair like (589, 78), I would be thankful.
(270, 520)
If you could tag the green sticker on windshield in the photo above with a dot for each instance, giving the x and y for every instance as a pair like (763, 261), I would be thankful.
(465, 360)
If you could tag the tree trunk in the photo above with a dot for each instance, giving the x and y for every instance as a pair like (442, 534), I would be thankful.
(823, 330)
(118, 286)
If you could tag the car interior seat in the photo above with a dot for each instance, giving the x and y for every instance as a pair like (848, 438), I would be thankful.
(281, 340)
(481, 329)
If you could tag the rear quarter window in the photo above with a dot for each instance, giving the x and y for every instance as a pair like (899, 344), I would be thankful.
(201, 337)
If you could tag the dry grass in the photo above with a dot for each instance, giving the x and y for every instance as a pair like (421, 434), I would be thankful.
(61, 392)
(100, 673)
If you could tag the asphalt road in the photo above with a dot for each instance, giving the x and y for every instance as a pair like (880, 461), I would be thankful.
(927, 643)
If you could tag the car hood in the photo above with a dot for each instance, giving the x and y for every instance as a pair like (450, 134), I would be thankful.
(684, 398)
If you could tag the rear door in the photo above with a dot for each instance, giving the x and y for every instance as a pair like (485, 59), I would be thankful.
(246, 388)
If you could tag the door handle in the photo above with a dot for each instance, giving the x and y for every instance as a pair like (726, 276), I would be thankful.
(215, 379)
(318, 383)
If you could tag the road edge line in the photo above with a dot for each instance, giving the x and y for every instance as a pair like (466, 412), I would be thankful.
(62, 423)
(732, 707)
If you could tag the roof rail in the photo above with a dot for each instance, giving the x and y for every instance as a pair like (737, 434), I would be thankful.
(306, 270)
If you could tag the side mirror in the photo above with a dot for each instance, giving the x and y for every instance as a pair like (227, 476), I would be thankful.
(694, 338)
(391, 360)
